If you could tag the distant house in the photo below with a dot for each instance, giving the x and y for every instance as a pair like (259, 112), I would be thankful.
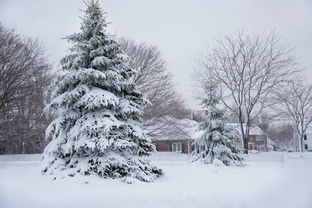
(175, 145)
(183, 133)
(257, 139)
(307, 140)
(179, 139)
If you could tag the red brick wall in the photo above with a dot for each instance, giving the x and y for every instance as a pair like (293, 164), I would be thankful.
(257, 144)
(166, 145)
(252, 138)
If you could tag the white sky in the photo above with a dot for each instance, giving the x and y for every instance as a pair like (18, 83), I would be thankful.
(180, 28)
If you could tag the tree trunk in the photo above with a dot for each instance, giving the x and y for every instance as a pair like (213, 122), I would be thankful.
(246, 137)
(266, 143)
(301, 143)
(245, 145)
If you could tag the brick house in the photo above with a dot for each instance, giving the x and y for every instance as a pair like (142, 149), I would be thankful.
(256, 142)
(182, 140)
(179, 139)
(257, 139)
(178, 145)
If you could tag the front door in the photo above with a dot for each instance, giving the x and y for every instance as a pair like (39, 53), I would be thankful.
(251, 146)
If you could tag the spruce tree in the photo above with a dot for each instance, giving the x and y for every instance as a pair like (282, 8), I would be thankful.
(215, 146)
(98, 130)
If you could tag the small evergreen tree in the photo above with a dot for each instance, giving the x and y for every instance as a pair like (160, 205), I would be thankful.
(215, 145)
(98, 130)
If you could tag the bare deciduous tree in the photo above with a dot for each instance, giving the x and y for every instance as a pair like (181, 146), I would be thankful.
(23, 80)
(247, 68)
(294, 101)
(154, 81)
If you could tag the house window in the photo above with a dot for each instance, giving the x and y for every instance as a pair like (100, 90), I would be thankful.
(305, 137)
(177, 147)
(306, 146)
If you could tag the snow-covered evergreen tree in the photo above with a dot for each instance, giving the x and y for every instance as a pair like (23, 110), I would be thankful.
(98, 130)
(214, 146)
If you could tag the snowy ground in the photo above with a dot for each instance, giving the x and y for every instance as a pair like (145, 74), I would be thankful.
(270, 180)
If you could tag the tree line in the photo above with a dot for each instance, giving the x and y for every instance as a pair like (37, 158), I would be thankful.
(24, 76)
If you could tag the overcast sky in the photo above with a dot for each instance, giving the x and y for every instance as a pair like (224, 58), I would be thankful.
(180, 28)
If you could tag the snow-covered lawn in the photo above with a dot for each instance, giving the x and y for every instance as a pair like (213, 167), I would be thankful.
(269, 180)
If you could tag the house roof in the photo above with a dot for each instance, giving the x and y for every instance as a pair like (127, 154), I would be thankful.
(176, 129)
